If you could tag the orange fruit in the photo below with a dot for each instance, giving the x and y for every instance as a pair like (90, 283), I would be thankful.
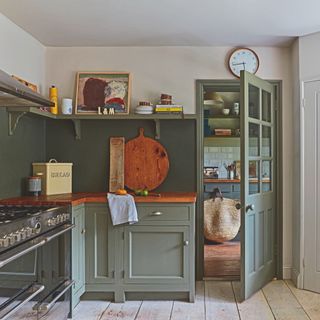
(121, 192)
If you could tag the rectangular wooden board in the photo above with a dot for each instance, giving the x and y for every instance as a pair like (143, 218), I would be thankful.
(116, 174)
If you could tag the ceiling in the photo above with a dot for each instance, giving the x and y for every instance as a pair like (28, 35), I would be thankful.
(165, 22)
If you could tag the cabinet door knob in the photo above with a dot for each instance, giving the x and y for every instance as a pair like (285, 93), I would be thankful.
(83, 231)
(156, 213)
(186, 243)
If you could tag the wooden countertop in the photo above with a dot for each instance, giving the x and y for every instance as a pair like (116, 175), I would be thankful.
(79, 198)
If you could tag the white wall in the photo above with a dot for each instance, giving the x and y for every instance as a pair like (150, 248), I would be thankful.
(174, 70)
(20, 53)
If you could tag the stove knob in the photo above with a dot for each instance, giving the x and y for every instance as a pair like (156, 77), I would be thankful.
(37, 228)
(17, 236)
(50, 222)
(4, 242)
(23, 233)
(28, 232)
(11, 239)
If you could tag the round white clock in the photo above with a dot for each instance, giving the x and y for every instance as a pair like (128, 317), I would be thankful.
(243, 59)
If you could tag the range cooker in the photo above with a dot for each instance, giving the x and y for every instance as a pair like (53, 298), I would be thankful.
(35, 262)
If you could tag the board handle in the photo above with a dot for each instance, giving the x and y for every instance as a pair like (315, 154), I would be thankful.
(141, 132)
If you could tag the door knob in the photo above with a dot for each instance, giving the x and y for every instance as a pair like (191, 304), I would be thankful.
(250, 207)
(238, 206)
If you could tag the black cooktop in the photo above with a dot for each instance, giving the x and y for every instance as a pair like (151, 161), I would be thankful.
(10, 213)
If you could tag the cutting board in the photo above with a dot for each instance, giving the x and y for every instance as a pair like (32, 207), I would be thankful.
(116, 172)
(146, 163)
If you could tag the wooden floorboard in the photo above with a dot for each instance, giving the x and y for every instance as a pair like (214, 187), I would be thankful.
(310, 301)
(283, 303)
(256, 307)
(220, 301)
(155, 310)
(123, 311)
(190, 311)
(222, 260)
(90, 310)
(215, 300)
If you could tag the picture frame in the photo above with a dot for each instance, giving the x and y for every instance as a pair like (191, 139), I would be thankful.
(103, 93)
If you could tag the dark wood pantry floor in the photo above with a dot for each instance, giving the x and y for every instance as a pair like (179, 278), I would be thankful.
(222, 260)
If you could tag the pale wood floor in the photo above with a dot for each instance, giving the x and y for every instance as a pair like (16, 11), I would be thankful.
(215, 300)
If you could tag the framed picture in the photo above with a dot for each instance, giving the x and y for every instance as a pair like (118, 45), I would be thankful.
(103, 93)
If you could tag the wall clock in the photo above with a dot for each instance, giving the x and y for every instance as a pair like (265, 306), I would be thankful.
(243, 59)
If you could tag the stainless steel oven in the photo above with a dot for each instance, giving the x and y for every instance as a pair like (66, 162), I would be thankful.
(35, 264)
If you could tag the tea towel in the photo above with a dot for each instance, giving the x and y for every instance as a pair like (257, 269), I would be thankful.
(122, 208)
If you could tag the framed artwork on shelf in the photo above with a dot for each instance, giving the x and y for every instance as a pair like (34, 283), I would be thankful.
(103, 93)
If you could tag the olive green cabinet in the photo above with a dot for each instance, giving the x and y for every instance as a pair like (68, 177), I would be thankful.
(154, 255)
(100, 243)
(78, 253)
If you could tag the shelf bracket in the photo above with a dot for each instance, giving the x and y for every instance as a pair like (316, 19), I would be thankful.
(13, 119)
(77, 128)
(157, 129)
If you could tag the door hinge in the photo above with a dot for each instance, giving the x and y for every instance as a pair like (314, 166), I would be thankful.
(303, 102)
(122, 274)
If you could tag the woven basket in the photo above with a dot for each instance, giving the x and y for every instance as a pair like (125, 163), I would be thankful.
(221, 219)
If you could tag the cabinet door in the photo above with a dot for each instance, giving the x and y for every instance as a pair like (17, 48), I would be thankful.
(100, 237)
(156, 254)
(78, 248)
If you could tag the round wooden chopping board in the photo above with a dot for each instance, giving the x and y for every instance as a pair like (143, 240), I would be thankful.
(146, 163)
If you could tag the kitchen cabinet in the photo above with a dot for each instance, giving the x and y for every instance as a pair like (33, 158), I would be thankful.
(78, 253)
(100, 248)
(154, 255)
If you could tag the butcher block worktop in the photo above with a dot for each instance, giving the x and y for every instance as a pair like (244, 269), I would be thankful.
(78, 198)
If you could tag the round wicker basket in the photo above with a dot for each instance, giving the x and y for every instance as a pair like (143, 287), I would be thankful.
(221, 219)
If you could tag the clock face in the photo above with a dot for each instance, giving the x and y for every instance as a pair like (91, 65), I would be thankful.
(243, 59)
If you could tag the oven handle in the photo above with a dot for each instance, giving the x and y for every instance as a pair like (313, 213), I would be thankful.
(46, 306)
(38, 288)
(65, 228)
(35, 243)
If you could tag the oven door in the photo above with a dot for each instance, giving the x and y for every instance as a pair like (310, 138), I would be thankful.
(37, 281)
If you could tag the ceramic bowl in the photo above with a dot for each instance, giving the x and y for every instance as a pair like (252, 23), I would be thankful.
(225, 111)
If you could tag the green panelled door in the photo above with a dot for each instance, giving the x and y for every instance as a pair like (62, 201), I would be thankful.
(258, 215)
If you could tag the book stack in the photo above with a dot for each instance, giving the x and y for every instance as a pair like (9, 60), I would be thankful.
(166, 106)
(222, 132)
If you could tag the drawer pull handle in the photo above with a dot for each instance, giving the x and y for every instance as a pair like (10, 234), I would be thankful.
(186, 243)
(156, 213)
(83, 231)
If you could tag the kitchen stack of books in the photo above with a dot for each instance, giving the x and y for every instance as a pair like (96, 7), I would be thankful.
(167, 107)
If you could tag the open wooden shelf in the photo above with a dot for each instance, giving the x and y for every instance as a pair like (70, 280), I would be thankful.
(15, 114)
(222, 116)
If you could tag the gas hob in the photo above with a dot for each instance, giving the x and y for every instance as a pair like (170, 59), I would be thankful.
(21, 223)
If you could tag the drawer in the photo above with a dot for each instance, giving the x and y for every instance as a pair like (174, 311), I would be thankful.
(224, 187)
(164, 213)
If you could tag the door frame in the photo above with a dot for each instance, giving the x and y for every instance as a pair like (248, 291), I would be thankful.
(279, 195)
(299, 275)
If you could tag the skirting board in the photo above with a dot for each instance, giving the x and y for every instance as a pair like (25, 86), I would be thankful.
(287, 272)
(297, 279)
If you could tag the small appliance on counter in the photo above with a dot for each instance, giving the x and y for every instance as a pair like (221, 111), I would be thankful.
(57, 176)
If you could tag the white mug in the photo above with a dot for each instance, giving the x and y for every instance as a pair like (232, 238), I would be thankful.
(66, 106)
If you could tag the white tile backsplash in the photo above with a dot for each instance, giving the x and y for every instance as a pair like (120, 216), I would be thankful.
(219, 156)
